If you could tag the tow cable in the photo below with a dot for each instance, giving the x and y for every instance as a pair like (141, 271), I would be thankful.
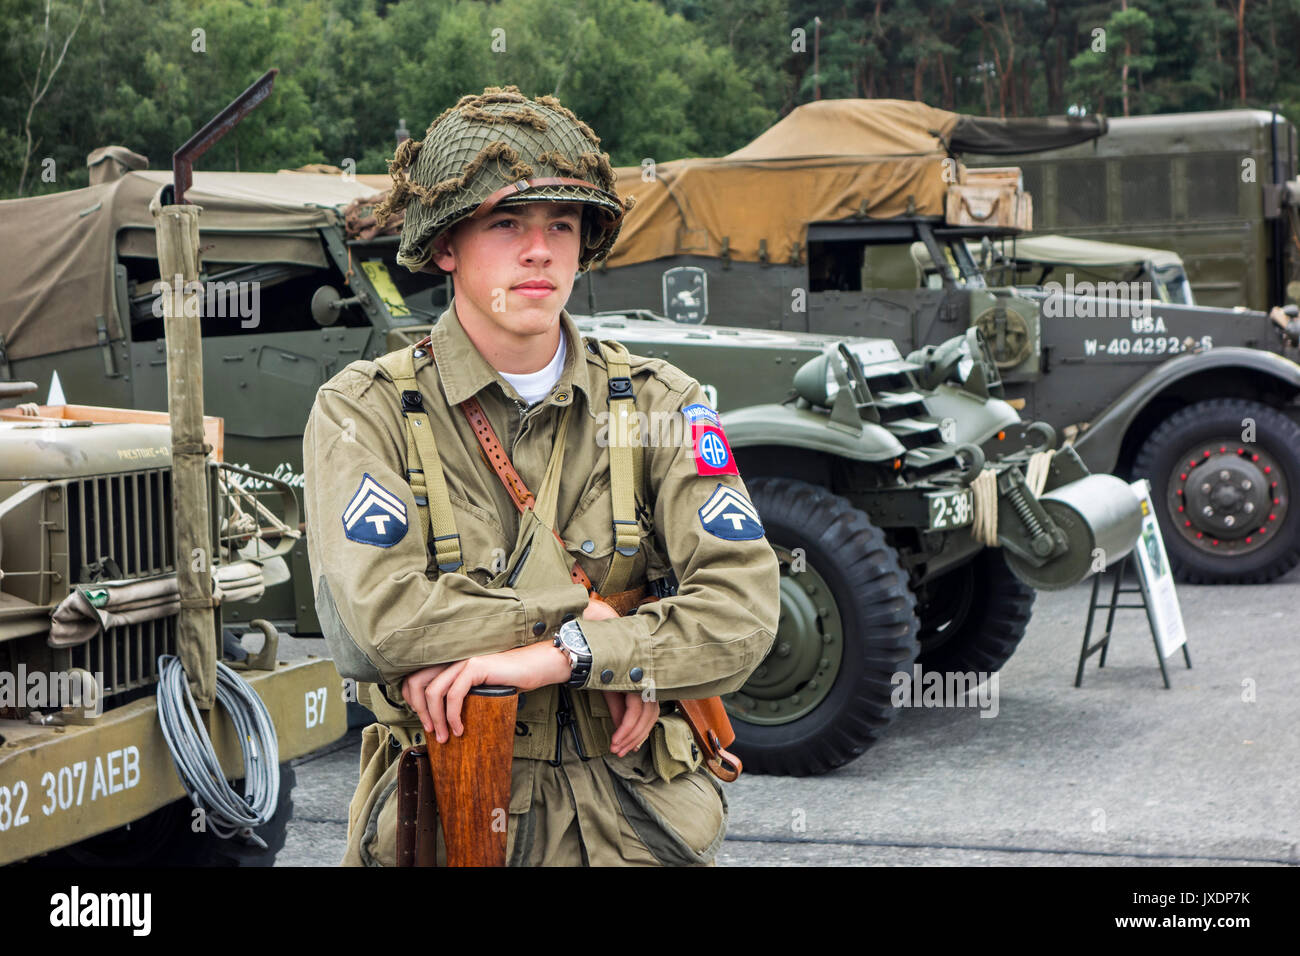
(226, 812)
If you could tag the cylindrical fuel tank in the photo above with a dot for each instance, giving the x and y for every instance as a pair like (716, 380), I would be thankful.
(1099, 511)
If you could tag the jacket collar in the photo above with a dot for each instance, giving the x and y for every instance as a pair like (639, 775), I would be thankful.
(464, 372)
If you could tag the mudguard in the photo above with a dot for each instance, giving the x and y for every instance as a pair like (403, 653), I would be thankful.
(1099, 446)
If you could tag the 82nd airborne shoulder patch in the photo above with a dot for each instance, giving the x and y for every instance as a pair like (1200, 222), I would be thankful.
(374, 515)
(709, 446)
(729, 514)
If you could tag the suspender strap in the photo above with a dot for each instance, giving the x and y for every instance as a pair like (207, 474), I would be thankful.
(427, 482)
(625, 464)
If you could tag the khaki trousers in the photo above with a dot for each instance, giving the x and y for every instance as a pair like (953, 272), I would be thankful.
(605, 811)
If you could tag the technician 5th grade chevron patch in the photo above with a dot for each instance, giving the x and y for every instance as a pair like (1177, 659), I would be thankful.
(374, 515)
(729, 514)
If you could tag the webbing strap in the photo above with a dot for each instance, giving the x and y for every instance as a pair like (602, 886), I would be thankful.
(625, 464)
(427, 482)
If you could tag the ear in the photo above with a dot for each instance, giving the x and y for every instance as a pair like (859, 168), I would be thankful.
(444, 255)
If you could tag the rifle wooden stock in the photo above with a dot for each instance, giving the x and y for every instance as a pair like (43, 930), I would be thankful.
(464, 784)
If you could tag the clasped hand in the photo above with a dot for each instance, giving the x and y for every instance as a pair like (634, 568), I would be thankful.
(437, 693)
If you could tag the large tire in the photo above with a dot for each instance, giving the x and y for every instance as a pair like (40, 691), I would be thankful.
(822, 695)
(972, 618)
(1256, 493)
(165, 838)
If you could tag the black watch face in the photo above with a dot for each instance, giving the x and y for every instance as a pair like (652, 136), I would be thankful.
(574, 640)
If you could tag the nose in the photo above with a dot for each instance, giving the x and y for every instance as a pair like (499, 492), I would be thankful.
(536, 248)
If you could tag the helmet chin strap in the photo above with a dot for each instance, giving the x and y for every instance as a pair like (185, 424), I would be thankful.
(523, 185)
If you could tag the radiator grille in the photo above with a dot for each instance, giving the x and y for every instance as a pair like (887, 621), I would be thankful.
(126, 656)
(126, 519)
(121, 527)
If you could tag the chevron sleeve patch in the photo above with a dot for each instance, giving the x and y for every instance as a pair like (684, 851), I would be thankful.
(374, 515)
(729, 514)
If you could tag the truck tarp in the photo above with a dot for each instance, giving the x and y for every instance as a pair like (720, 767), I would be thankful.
(59, 249)
(826, 161)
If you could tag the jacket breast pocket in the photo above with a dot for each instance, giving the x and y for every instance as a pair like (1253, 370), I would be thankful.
(483, 545)
(589, 537)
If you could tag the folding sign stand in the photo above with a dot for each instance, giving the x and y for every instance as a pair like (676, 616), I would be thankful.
(1119, 570)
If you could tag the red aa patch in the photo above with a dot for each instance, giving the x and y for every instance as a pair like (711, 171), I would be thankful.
(712, 453)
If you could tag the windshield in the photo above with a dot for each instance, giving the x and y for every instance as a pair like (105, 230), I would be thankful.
(1172, 285)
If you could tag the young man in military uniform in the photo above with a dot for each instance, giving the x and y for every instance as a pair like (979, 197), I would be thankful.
(429, 580)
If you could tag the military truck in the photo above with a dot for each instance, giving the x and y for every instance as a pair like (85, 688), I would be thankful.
(1219, 187)
(86, 512)
(1200, 401)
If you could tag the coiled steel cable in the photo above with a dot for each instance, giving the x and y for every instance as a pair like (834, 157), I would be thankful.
(226, 812)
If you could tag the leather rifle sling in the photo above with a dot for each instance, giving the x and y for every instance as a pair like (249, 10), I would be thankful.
(707, 718)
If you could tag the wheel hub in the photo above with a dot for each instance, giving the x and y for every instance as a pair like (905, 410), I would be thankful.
(1227, 498)
(804, 661)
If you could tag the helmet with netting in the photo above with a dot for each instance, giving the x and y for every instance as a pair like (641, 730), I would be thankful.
(496, 148)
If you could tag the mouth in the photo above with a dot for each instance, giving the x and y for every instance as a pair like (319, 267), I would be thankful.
(535, 288)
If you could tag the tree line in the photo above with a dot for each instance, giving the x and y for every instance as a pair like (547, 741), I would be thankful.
(658, 79)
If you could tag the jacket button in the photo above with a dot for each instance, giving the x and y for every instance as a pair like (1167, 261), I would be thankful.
(539, 629)
(589, 546)
(606, 676)
(418, 353)
(636, 674)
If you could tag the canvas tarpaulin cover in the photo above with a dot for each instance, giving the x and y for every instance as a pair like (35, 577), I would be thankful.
(59, 249)
(1066, 250)
(826, 161)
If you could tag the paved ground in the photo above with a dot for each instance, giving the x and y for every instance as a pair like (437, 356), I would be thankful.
(1118, 773)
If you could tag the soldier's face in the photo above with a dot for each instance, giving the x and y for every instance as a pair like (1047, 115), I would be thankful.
(515, 267)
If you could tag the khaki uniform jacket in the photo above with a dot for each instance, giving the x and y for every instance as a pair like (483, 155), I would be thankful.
(402, 615)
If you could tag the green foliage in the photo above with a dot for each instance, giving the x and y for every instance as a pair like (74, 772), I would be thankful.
(137, 73)
(656, 78)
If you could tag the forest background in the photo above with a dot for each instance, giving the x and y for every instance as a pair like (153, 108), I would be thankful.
(660, 79)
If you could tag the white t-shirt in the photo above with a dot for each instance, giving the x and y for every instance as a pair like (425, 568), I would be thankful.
(534, 386)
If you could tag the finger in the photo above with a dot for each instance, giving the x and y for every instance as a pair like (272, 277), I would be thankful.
(646, 726)
(413, 693)
(617, 707)
(469, 676)
(620, 722)
(624, 737)
(435, 693)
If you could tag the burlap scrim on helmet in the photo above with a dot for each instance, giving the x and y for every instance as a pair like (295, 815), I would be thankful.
(491, 140)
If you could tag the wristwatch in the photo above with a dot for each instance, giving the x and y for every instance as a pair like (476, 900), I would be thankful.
(573, 642)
